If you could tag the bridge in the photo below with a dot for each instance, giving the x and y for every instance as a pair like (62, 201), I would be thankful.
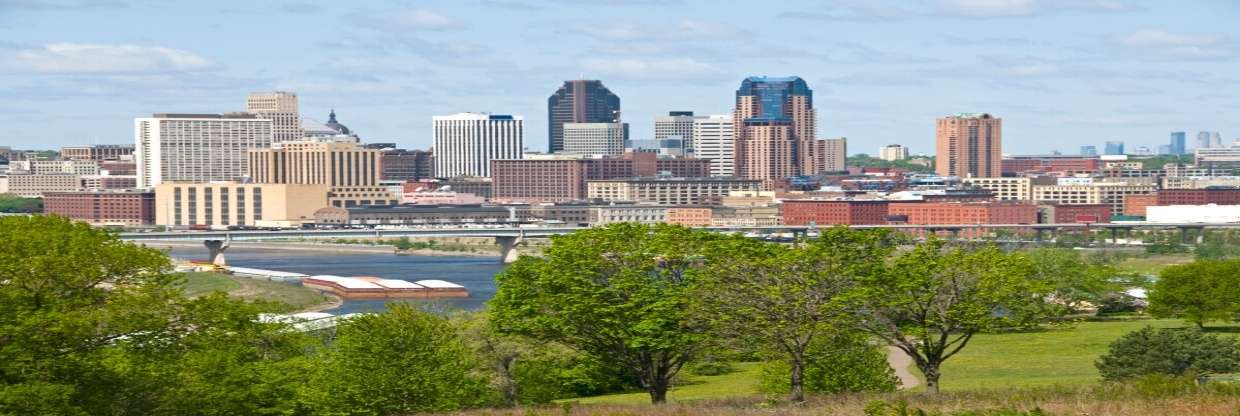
(508, 238)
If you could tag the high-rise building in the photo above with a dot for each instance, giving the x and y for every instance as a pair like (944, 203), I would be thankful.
(466, 143)
(1114, 147)
(893, 152)
(579, 101)
(97, 152)
(969, 145)
(1089, 150)
(281, 108)
(676, 124)
(1177, 145)
(1209, 139)
(775, 125)
(595, 138)
(831, 153)
(713, 139)
(183, 204)
(351, 171)
(407, 165)
(196, 147)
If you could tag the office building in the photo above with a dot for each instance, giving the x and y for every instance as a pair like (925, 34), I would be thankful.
(1198, 214)
(185, 205)
(1114, 147)
(197, 147)
(1111, 193)
(1075, 213)
(34, 185)
(351, 172)
(578, 101)
(893, 152)
(1218, 157)
(832, 154)
(969, 145)
(127, 208)
(1209, 139)
(714, 140)
(74, 167)
(834, 212)
(672, 146)
(97, 152)
(1217, 196)
(407, 165)
(1089, 151)
(962, 213)
(775, 128)
(1177, 145)
(667, 190)
(109, 182)
(606, 139)
(281, 108)
(562, 178)
(1004, 189)
(676, 124)
(466, 143)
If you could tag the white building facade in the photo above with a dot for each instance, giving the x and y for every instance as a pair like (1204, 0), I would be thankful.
(466, 143)
(893, 152)
(713, 139)
(197, 147)
(595, 138)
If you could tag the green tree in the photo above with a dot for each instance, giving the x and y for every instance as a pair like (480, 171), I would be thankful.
(1201, 291)
(1168, 351)
(933, 299)
(70, 293)
(783, 298)
(14, 204)
(620, 293)
(402, 361)
(837, 362)
(1075, 281)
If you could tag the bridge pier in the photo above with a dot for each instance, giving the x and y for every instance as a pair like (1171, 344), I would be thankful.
(508, 248)
(215, 251)
(1184, 234)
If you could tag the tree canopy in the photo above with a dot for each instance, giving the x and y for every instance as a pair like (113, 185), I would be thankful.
(1201, 291)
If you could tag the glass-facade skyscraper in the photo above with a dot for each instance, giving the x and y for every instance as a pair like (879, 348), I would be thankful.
(1114, 148)
(1177, 143)
(579, 101)
(775, 125)
(1089, 150)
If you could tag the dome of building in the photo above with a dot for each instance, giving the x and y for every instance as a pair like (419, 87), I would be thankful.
(331, 122)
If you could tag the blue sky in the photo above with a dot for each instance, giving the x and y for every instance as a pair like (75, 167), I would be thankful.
(1062, 73)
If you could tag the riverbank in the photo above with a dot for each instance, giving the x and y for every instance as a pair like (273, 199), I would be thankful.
(295, 296)
(322, 247)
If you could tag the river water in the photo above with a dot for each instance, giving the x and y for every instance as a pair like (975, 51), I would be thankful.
(477, 274)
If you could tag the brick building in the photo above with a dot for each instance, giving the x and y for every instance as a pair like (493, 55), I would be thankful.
(1134, 205)
(1218, 196)
(834, 212)
(1069, 214)
(557, 178)
(122, 208)
(962, 213)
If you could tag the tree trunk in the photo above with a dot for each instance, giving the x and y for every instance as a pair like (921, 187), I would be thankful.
(1201, 324)
(658, 393)
(797, 382)
(932, 377)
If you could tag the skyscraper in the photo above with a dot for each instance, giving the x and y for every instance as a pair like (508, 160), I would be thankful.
(196, 147)
(1089, 150)
(969, 145)
(1209, 139)
(713, 139)
(774, 126)
(579, 101)
(281, 108)
(1177, 143)
(893, 152)
(351, 171)
(465, 143)
(831, 153)
(676, 124)
(1114, 147)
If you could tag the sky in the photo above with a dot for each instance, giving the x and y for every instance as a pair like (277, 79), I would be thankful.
(1061, 73)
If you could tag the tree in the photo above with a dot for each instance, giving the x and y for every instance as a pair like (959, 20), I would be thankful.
(933, 299)
(10, 203)
(836, 362)
(620, 293)
(1168, 351)
(784, 298)
(401, 361)
(70, 293)
(1204, 290)
(1075, 282)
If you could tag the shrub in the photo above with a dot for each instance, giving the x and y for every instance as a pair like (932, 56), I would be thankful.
(711, 368)
(842, 363)
(1174, 352)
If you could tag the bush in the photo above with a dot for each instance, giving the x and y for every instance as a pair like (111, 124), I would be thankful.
(711, 368)
(1172, 352)
(842, 363)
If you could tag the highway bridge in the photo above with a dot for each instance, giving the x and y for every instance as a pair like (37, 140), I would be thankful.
(508, 237)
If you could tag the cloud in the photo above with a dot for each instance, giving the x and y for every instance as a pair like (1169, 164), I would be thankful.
(427, 20)
(634, 68)
(1161, 44)
(1159, 37)
(861, 10)
(83, 58)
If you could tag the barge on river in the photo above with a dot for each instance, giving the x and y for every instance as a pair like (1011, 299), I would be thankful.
(366, 287)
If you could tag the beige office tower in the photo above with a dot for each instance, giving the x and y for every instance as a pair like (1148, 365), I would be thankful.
(831, 154)
(281, 108)
(774, 126)
(969, 145)
(196, 147)
(351, 171)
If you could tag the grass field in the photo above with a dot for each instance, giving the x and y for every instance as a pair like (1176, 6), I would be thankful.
(1058, 356)
(1152, 264)
(295, 296)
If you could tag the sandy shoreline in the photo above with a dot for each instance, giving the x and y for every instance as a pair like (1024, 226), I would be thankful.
(334, 248)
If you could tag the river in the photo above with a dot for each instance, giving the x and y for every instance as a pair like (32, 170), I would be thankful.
(477, 274)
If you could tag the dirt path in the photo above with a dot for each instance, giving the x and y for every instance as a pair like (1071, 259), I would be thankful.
(900, 362)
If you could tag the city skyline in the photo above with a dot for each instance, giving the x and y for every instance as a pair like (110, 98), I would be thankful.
(883, 73)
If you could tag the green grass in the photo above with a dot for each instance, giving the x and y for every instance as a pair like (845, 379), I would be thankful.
(297, 297)
(201, 283)
(1058, 356)
(1153, 264)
